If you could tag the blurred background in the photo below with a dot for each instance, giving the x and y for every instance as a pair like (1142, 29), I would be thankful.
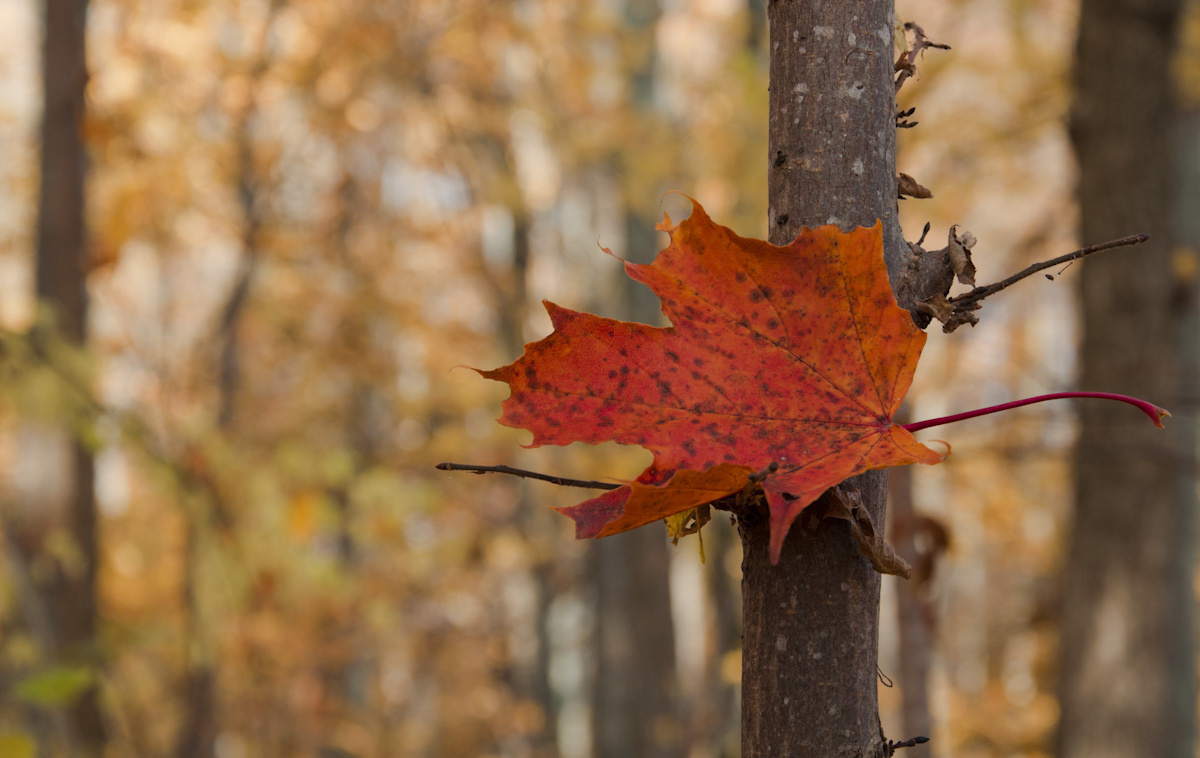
(302, 215)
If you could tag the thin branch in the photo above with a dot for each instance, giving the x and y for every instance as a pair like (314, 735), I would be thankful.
(893, 746)
(980, 293)
(559, 480)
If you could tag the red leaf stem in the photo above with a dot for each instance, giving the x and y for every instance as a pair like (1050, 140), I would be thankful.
(1155, 413)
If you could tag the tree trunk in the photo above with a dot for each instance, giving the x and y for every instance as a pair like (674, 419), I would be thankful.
(636, 696)
(912, 616)
(811, 623)
(1128, 664)
(54, 477)
(633, 712)
(717, 717)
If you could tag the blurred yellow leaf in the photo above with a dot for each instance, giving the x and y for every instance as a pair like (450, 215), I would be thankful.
(17, 745)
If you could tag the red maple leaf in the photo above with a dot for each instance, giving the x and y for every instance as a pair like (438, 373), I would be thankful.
(796, 355)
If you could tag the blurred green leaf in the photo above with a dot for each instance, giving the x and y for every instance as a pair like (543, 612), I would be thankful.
(53, 686)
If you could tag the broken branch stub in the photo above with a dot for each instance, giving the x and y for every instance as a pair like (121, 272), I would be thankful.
(906, 64)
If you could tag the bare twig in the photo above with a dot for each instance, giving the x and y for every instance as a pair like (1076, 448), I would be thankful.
(559, 480)
(902, 117)
(980, 293)
(955, 311)
(892, 746)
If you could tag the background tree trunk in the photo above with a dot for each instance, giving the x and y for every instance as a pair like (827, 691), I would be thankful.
(913, 614)
(811, 623)
(635, 691)
(1128, 662)
(634, 707)
(636, 698)
(54, 477)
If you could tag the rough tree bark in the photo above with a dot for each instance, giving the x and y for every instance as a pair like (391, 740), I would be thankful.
(811, 623)
(54, 475)
(1128, 661)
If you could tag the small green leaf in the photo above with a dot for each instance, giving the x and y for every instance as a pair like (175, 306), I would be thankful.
(53, 686)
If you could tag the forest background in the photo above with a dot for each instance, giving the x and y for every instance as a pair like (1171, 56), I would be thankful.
(302, 214)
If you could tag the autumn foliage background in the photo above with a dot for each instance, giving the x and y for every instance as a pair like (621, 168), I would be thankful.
(304, 213)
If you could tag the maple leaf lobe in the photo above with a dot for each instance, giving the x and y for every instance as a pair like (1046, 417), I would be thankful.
(795, 354)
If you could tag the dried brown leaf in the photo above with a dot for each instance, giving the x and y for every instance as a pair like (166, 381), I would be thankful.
(847, 505)
(906, 186)
(958, 247)
(938, 307)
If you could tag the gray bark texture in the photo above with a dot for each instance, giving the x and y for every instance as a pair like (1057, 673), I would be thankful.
(811, 623)
(1128, 664)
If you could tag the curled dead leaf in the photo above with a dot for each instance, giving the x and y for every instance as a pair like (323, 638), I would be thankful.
(951, 315)
(938, 307)
(906, 186)
(687, 522)
(958, 248)
(847, 505)
(962, 315)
